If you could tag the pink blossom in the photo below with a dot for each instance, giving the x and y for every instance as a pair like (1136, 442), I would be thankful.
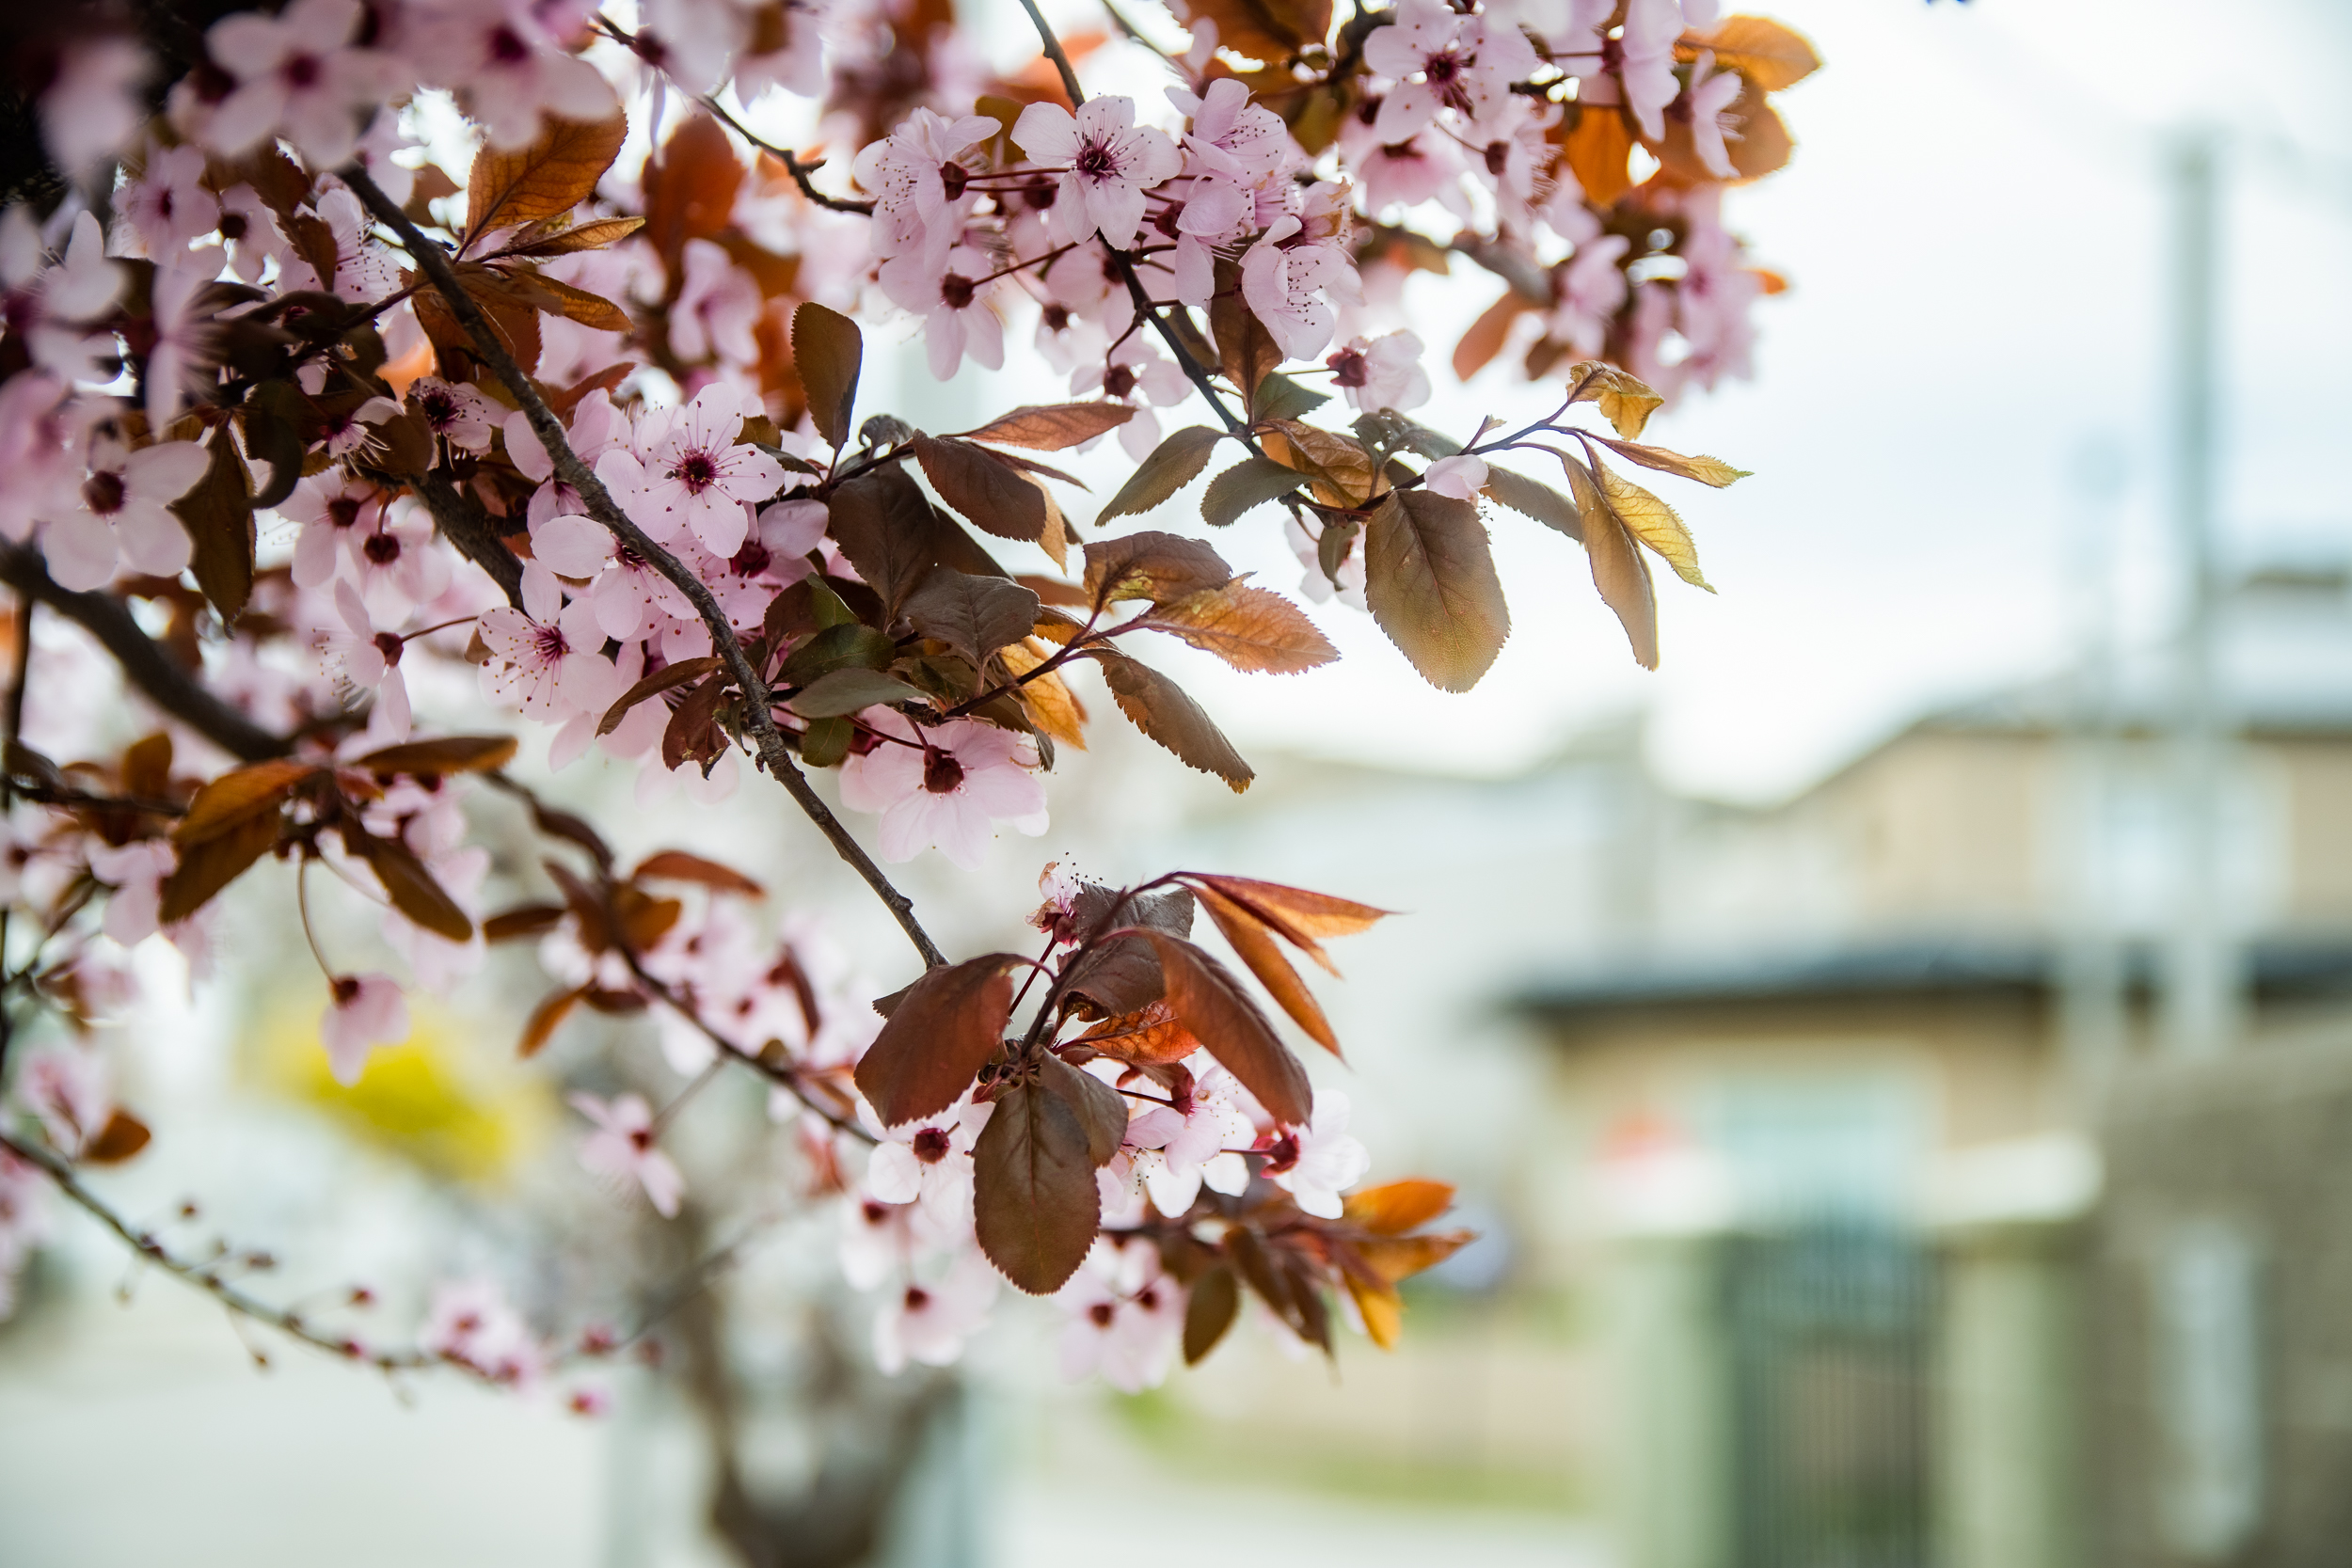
(336, 512)
(1176, 1149)
(251, 230)
(1319, 1161)
(623, 1145)
(1282, 277)
(168, 206)
(696, 479)
(454, 411)
(1461, 477)
(877, 1240)
(469, 1322)
(295, 77)
(185, 358)
(952, 297)
(1442, 60)
(51, 306)
(929, 1163)
(1592, 289)
(364, 270)
(1703, 107)
(363, 1012)
(910, 173)
(1139, 375)
(1382, 373)
(1231, 135)
(1108, 162)
(91, 108)
(930, 1322)
(123, 512)
(716, 309)
(70, 1089)
(342, 434)
(596, 427)
(398, 564)
(510, 68)
(553, 668)
(1642, 55)
(946, 788)
(135, 871)
(1126, 1318)
(368, 660)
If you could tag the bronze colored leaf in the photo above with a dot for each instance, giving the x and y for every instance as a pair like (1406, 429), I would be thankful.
(560, 298)
(1597, 142)
(1249, 627)
(663, 679)
(1530, 499)
(1245, 351)
(1342, 470)
(1765, 144)
(1298, 915)
(554, 174)
(1766, 53)
(1429, 578)
(239, 795)
(1160, 708)
(1051, 427)
(1101, 1109)
(122, 1136)
(1624, 400)
(546, 1019)
(889, 529)
(1487, 335)
(412, 888)
(1258, 949)
(1151, 565)
(1252, 481)
(1618, 570)
(211, 864)
(1053, 708)
(524, 920)
(217, 513)
(1214, 1006)
(1035, 1206)
(690, 188)
(988, 489)
(1382, 1309)
(1396, 1207)
(837, 692)
(972, 615)
(1151, 1036)
(1173, 464)
(678, 865)
(449, 754)
(1216, 1301)
(944, 1029)
(828, 351)
(1706, 471)
(1266, 30)
(1397, 1257)
(1653, 522)
(593, 235)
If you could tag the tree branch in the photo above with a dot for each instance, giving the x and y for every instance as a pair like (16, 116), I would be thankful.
(773, 753)
(467, 527)
(167, 682)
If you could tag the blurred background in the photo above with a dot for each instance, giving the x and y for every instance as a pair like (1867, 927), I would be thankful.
(1899, 1057)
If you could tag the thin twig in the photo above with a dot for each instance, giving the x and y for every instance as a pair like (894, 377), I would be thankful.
(792, 163)
(773, 753)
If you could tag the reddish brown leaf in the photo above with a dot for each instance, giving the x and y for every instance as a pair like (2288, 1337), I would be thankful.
(412, 888)
(1294, 911)
(1249, 627)
(1258, 949)
(554, 174)
(1488, 334)
(1160, 708)
(1395, 1206)
(1395, 1258)
(1152, 1037)
(972, 615)
(1429, 576)
(1214, 1006)
(676, 866)
(1035, 1206)
(525, 920)
(1245, 351)
(450, 753)
(1151, 565)
(987, 489)
(828, 351)
(1101, 1109)
(1216, 1301)
(663, 679)
(690, 189)
(122, 1136)
(239, 795)
(1051, 427)
(593, 235)
(220, 858)
(942, 1031)
(546, 1017)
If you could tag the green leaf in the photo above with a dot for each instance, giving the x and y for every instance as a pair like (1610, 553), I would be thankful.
(1281, 397)
(826, 741)
(828, 351)
(1429, 578)
(1035, 1206)
(1252, 481)
(1173, 464)
(837, 648)
(843, 692)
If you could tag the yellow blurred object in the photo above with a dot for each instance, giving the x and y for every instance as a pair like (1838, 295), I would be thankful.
(428, 1099)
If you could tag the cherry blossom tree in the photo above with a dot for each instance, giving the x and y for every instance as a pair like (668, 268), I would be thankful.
(293, 417)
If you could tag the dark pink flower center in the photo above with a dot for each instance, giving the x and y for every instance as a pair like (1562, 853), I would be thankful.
(343, 511)
(1118, 381)
(1148, 1298)
(953, 178)
(1096, 161)
(301, 70)
(942, 773)
(1349, 368)
(1102, 1312)
(507, 47)
(440, 409)
(389, 646)
(931, 1146)
(640, 1140)
(917, 1298)
(697, 470)
(956, 292)
(548, 643)
(346, 989)
(102, 494)
(380, 548)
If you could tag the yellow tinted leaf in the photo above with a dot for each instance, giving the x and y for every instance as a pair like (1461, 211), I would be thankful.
(1654, 523)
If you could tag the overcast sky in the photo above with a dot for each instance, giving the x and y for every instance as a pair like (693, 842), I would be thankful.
(1973, 227)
